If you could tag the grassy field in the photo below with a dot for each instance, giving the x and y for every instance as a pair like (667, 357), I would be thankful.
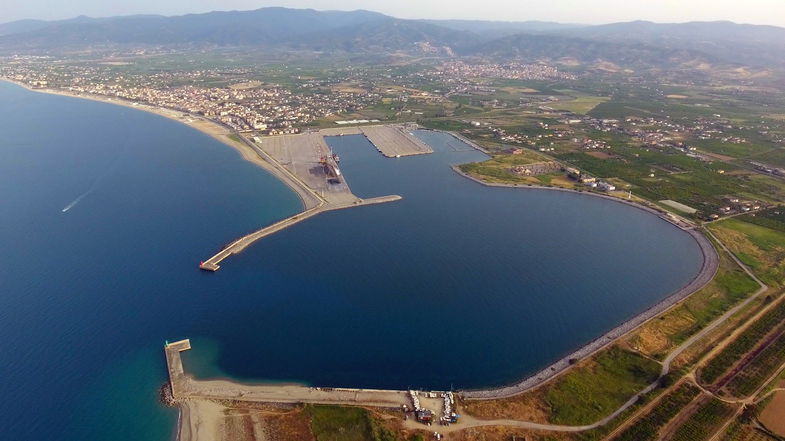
(337, 423)
(658, 337)
(741, 431)
(581, 104)
(498, 169)
(445, 124)
(759, 247)
(585, 395)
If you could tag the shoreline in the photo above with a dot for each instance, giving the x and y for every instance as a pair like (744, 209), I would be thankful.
(202, 124)
(664, 215)
(256, 155)
(708, 270)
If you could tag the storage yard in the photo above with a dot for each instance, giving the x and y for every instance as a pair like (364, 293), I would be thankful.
(302, 156)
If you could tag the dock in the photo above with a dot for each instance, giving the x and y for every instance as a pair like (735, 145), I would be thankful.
(395, 141)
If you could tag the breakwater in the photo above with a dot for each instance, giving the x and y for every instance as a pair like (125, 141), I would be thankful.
(212, 264)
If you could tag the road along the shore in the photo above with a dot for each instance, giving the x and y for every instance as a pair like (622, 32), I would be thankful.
(704, 276)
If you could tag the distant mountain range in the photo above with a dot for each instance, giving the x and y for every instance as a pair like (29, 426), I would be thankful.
(628, 43)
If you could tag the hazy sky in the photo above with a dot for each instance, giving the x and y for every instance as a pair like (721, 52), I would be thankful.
(572, 11)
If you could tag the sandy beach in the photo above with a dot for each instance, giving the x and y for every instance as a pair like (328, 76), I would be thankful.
(200, 420)
(202, 124)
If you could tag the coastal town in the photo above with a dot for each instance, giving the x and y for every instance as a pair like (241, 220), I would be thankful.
(244, 106)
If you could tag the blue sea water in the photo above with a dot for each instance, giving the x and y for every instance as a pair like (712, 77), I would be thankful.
(457, 285)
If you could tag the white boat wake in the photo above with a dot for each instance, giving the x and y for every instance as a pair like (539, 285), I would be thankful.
(94, 185)
(76, 201)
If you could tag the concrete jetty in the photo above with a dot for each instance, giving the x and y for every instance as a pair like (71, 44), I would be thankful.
(212, 264)
(175, 365)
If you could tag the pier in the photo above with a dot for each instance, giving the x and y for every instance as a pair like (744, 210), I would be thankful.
(212, 264)
(174, 365)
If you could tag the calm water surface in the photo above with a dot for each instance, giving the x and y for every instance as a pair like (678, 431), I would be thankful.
(457, 285)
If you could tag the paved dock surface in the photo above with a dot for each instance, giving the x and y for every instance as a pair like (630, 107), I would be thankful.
(300, 154)
(395, 141)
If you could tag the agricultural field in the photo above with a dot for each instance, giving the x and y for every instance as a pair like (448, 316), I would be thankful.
(771, 410)
(647, 427)
(668, 175)
(580, 105)
(704, 423)
(336, 423)
(760, 369)
(742, 345)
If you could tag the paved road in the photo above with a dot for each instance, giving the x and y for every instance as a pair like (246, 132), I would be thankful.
(666, 364)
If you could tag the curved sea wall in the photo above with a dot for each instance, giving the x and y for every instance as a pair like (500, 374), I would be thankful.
(705, 275)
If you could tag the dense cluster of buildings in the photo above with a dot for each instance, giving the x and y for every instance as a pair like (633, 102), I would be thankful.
(737, 205)
(262, 107)
(769, 169)
(510, 71)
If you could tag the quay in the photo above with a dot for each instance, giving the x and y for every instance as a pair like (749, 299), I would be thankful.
(395, 141)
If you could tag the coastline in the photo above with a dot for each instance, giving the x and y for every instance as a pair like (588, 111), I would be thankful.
(707, 272)
(205, 125)
(664, 215)
(254, 155)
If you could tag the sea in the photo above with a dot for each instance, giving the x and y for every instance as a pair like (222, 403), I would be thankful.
(106, 212)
